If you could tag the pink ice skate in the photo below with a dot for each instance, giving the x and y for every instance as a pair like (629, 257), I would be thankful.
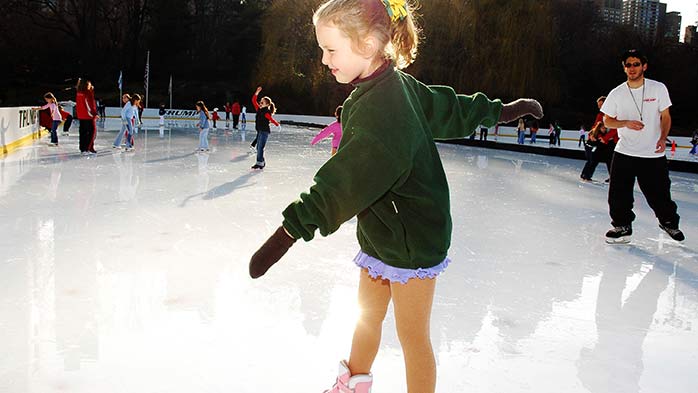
(347, 383)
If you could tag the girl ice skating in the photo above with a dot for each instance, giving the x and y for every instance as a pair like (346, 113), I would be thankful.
(56, 118)
(203, 125)
(389, 175)
(265, 108)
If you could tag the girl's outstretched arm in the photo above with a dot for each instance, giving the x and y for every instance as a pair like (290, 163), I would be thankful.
(453, 116)
(324, 133)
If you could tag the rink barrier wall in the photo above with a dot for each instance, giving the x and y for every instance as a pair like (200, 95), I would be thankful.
(19, 126)
(542, 149)
(151, 117)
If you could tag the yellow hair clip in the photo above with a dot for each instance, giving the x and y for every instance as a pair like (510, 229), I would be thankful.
(397, 9)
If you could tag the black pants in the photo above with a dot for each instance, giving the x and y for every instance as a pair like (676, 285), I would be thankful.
(236, 118)
(603, 153)
(483, 133)
(653, 177)
(67, 124)
(87, 129)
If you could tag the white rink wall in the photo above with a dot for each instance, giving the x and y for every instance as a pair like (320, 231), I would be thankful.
(17, 125)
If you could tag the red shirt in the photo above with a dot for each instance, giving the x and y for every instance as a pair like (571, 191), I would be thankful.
(235, 108)
(610, 135)
(85, 105)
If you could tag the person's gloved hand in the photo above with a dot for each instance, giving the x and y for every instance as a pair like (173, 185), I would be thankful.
(271, 251)
(519, 108)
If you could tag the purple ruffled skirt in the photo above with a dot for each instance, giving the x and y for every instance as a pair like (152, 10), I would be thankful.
(377, 269)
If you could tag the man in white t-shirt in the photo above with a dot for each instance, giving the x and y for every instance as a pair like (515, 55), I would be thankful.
(639, 109)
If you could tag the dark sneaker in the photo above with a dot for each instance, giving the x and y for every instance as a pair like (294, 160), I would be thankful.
(619, 235)
(255, 166)
(675, 233)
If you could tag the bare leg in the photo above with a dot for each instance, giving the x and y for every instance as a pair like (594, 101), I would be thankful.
(374, 296)
(412, 302)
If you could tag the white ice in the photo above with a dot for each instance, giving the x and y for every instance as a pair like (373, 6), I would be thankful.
(127, 272)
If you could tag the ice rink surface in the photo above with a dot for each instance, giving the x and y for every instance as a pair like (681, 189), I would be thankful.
(127, 272)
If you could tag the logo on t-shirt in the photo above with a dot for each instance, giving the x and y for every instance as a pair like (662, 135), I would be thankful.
(650, 99)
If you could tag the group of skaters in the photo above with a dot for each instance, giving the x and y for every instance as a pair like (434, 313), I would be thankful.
(554, 132)
(264, 111)
(88, 111)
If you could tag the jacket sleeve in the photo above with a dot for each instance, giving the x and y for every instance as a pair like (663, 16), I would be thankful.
(453, 116)
(254, 102)
(345, 185)
(271, 119)
(323, 134)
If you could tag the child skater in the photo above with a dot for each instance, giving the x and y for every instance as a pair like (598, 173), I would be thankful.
(390, 176)
(264, 109)
(694, 142)
(126, 120)
(52, 106)
(334, 129)
(133, 113)
(203, 125)
(215, 117)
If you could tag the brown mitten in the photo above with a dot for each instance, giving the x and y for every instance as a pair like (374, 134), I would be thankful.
(271, 251)
(519, 108)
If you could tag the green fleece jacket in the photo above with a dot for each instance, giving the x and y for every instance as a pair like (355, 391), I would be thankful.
(388, 172)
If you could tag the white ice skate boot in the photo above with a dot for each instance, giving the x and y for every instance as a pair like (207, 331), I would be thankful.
(347, 383)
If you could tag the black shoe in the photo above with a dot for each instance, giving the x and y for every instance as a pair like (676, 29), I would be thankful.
(619, 235)
(675, 233)
(256, 166)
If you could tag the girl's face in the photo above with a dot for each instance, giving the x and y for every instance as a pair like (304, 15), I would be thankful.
(198, 108)
(124, 99)
(338, 54)
(136, 102)
(264, 102)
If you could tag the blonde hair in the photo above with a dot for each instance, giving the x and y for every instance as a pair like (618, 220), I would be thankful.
(272, 107)
(360, 18)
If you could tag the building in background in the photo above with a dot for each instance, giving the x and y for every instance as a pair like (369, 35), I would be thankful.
(671, 27)
(689, 37)
(611, 10)
(644, 16)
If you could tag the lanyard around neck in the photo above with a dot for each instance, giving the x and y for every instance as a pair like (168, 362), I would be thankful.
(642, 103)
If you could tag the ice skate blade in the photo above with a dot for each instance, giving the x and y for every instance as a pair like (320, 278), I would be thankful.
(620, 240)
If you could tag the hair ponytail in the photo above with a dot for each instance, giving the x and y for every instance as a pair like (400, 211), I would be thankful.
(272, 107)
(404, 39)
